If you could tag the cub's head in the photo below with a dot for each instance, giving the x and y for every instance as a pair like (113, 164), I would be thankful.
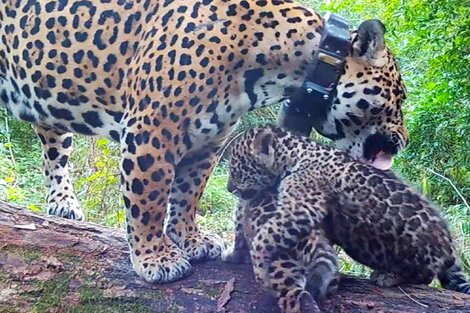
(254, 163)
(366, 117)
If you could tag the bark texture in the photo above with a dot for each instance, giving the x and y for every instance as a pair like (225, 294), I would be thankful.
(50, 264)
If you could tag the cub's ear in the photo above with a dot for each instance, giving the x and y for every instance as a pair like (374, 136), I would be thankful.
(264, 145)
(370, 43)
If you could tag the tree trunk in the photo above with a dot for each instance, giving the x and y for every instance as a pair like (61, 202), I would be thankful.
(50, 264)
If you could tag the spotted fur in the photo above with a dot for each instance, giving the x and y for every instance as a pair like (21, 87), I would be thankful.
(279, 224)
(375, 217)
(168, 80)
(282, 236)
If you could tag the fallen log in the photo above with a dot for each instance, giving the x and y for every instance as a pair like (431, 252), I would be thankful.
(49, 264)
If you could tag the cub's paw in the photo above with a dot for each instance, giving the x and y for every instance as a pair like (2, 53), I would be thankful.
(301, 303)
(66, 208)
(307, 303)
(382, 279)
(199, 246)
(334, 285)
(166, 264)
(322, 287)
(238, 256)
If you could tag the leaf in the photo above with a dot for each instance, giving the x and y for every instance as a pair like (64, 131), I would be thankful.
(102, 142)
(225, 295)
(34, 208)
(121, 216)
(26, 226)
(194, 291)
(425, 186)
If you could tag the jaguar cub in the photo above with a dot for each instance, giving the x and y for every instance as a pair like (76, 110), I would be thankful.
(375, 217)
(281, 229)
(289, 251)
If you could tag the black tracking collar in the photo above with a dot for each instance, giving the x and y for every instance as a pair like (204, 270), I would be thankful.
(314, 98)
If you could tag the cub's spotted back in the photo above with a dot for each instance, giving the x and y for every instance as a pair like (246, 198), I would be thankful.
(375, 217)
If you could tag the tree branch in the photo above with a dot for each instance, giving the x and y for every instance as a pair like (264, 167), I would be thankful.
(452, 184)
(73, 267)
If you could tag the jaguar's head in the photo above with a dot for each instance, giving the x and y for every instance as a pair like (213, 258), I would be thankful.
(366, 116)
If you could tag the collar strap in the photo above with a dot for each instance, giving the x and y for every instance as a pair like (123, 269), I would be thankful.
(316, 94)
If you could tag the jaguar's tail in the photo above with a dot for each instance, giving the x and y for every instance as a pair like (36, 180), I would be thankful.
(453, 278)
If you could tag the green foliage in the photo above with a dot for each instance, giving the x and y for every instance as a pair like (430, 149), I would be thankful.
(21, 178)
(217, 205)
(431, 40)
(263, 116)
(94, 169)
(97, 179)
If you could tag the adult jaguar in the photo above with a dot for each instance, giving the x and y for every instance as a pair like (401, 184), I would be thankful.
(169, 80)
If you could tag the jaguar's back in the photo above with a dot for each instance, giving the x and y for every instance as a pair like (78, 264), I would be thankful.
(64, 63)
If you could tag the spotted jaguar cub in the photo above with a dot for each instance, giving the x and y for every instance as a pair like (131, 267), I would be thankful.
(289, 251)
(281, 229)
(375, 217)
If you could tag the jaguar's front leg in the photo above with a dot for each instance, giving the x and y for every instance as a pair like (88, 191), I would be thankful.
(239, 252)
(148, 171)
(61, 199)
(191, 177)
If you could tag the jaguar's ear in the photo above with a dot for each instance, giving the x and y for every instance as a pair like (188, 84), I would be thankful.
(264, 147)
(370, 43)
